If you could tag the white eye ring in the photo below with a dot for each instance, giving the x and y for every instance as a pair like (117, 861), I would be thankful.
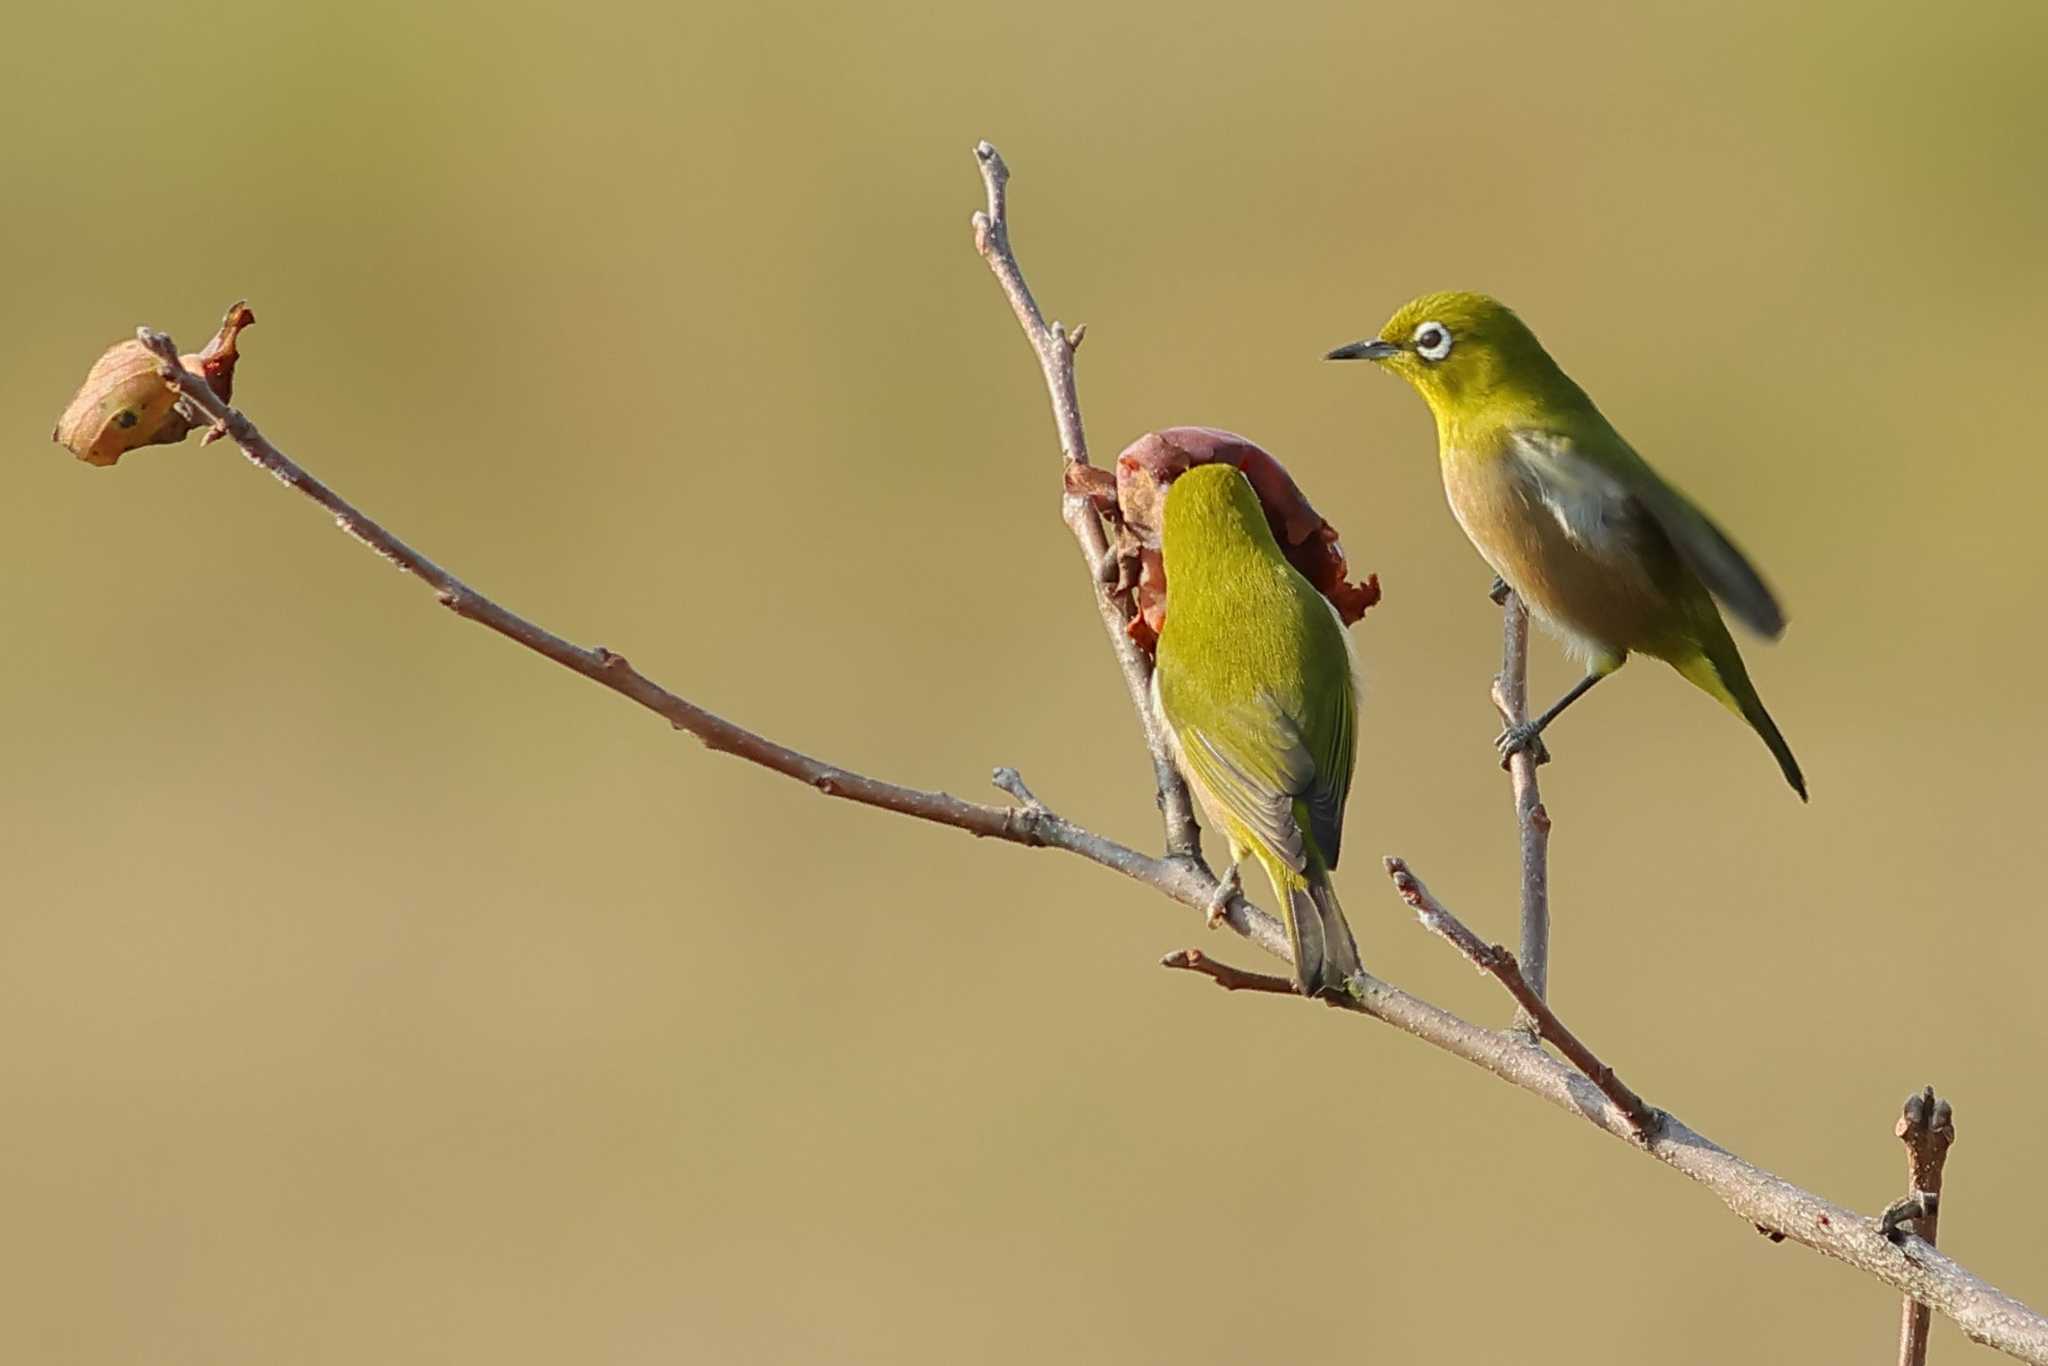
(1432, 340)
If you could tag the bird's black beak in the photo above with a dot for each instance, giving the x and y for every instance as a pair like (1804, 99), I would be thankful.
(1370, 349)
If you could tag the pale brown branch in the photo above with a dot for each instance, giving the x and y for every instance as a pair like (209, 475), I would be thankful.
(1027, 824)
(1774, 1205)
(1532, 818)
(1055, 348)
(1927, 1127)
(1495, 959)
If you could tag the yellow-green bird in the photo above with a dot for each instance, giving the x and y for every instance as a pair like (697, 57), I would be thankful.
(1605, 553)
(1254, 688)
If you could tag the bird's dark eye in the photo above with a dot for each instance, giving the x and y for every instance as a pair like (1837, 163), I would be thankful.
(1432, 341)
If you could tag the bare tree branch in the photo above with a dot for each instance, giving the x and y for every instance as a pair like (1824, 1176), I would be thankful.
(1028, 824)
(1055, 348)
(1226, 976)
(1494, 959)
(1532, 818)
(1927, 1127)
(1911, 1265)
(1771, 1203)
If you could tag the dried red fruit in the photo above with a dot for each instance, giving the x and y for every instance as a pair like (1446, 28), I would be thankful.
(124, 403)
(1151, 463)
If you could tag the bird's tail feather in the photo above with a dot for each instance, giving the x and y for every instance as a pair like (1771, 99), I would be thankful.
(1754, 713)
(1305, 936)
(1325, 954)
(1720, 672)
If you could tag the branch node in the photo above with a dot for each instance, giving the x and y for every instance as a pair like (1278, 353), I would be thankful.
(1012, 782)
(1927, 1127)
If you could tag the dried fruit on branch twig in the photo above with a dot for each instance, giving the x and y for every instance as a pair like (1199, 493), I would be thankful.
(1152, 462)
(124, 403)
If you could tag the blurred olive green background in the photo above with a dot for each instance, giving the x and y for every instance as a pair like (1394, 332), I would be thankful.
(371, 990)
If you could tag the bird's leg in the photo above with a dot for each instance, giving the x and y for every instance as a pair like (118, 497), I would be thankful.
(1499, 592)
(1227, 889)
(1529, 735)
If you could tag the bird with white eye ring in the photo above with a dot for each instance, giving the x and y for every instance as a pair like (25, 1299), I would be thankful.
(1608, 556)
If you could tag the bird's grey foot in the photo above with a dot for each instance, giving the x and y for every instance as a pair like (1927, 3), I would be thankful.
(1227, 889)
(1500, 590)
(1517, 739)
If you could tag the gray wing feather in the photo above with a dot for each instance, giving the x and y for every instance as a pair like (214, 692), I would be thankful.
(1267, 809)
(1597, 504)
(1709, 553)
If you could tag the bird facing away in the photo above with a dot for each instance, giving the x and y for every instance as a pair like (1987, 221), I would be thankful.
(1254, 690)
(1607, 555)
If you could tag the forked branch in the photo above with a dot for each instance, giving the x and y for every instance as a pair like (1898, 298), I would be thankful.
(1492, 958)
(1911, 1265)
(1055, 346)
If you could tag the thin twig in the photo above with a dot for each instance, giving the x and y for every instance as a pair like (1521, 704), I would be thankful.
(1495, 959)
(1927, 1127)
(1028, 824)
(1054, 346)
(1226, 976)
(1532, 819)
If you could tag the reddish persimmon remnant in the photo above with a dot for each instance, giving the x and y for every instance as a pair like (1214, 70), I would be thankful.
(1135, 498)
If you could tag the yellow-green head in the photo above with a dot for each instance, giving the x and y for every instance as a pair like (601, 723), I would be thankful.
(1465, 353)
(1212, 503)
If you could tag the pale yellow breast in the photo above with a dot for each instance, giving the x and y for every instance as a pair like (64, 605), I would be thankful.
(1584, 579)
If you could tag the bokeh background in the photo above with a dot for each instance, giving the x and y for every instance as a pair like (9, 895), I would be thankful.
(371, 990)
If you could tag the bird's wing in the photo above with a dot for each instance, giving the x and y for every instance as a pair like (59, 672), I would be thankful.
(1329, 738)
(1254, 762)
(1253, 781)
(1615, 494)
